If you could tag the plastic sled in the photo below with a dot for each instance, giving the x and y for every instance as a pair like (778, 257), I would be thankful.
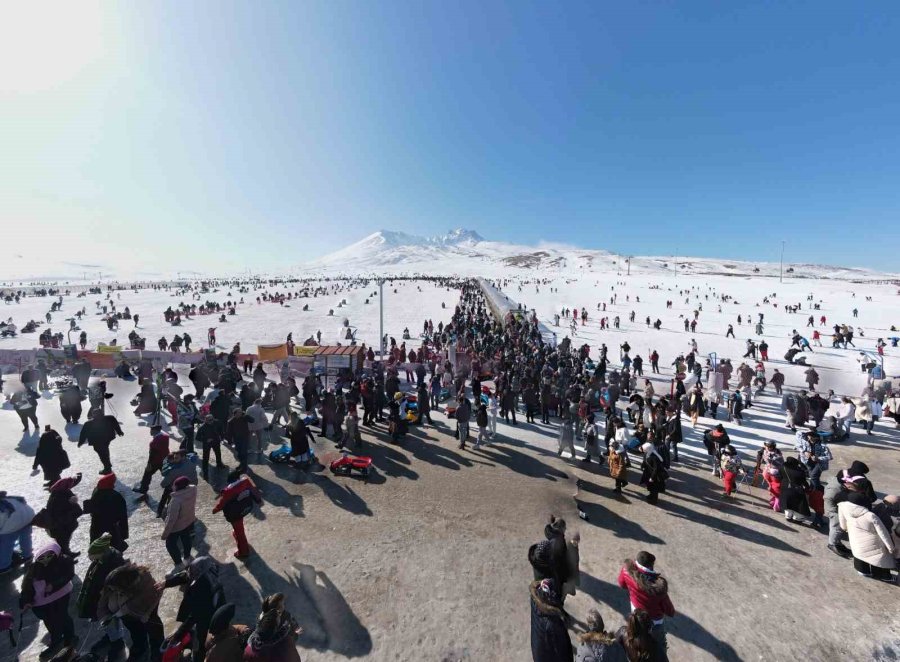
(348, 465)
(172, 650)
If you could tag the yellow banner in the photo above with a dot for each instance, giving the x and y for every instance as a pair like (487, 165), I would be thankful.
(301, 350)
(272, 352)
(109, 349)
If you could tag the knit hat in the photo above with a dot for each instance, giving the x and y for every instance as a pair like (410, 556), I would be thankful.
(221, 619)
(180, 483)
(99, 547)
(106, 482)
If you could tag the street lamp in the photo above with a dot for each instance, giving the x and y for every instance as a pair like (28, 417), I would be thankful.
(381, 318)
(781, 265)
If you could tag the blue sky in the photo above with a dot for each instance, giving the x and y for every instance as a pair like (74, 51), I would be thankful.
(227, 135)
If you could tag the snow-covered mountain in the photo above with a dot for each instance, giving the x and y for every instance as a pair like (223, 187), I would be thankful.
(465, 252)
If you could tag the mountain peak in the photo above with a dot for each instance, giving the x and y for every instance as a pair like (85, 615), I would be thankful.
(457, 236)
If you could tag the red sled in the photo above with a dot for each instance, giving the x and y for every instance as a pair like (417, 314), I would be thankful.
(173, 650)
(347, 465)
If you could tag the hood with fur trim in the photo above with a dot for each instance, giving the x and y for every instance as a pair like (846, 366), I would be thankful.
(650, 584)
(546, 603)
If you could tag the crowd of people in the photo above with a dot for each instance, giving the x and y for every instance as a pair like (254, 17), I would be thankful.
(483, 366)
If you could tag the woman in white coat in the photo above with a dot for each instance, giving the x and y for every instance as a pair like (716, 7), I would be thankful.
(870, 541)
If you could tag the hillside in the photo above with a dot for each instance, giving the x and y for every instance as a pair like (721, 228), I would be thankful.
(465, 252)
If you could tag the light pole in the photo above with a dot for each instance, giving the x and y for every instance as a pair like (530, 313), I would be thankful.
(381, 318)
(628, 261)
(781, 265)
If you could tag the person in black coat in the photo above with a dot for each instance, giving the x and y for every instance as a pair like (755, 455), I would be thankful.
(259, 376)
(794, 486)
(549, 635)
(99, 431)
(220, 408)
(70, 404)
(203, 595)
(423, 404)
(81, 371)
(210, 439)
(104, 559)
(25, 404)
(301, 436)
(199, 379)
(239, 432)
(146, 400)
(674, 435)
(108, 511)
(50, 456)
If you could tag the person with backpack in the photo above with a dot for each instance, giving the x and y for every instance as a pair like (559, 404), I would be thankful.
(187, 416)
(237, 501)
(46, 590)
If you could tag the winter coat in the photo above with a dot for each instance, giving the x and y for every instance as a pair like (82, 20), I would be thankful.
(158, 450)
(130, 590)
(863, 410)
(793, 490)
(549, 635)
(47, 583)
(50, 455)
(599, 647)
(618, 464)
(100, 431)
(280, 646)
(227, 646)
(238, 429)
(60, 517)
(94, 579)
(870, 541)
(15, 514)
(647, 591)
(172, 472)
(258, 414)
(109, 514)
(203, 594)
(653, 472)
(181, 512)
(187, 414)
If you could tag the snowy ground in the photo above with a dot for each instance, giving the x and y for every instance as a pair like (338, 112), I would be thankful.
(406, 303)
(838, 369)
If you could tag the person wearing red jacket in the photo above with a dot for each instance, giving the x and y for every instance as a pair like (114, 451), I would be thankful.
(648, 590)
(159, 451)
(236, 501)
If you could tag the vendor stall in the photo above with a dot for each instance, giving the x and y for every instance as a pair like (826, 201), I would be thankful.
(342, 362)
